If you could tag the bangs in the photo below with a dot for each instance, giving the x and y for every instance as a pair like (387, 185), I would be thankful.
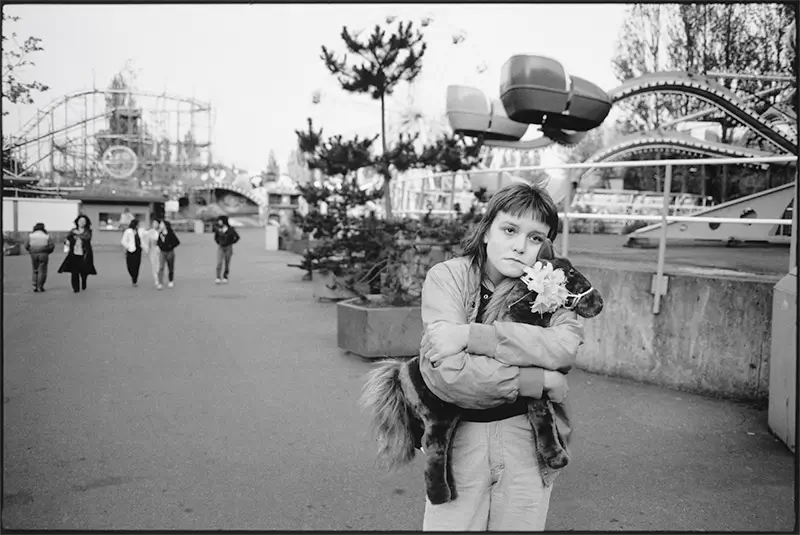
(532, 201)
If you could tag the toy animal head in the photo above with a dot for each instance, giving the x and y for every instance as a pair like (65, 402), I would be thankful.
(584, 299)
(512, 299)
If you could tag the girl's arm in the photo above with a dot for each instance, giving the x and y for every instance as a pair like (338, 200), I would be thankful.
(520, 344)
(471, 381)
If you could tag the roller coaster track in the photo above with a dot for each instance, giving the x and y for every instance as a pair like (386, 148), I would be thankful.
(226, 187)
(669, 141)
(52, 105)
(699, 86)
(706, 89)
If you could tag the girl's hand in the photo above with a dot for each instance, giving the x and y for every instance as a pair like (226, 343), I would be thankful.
(555, 385)
(444, 340)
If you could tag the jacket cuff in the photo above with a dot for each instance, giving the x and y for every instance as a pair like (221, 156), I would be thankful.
(482, 340)
(531, 382)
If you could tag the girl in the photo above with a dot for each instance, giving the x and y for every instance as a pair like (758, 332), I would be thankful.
(503, 485)
(150, 246)
(80, 258)
(132, 242)
(167, 242)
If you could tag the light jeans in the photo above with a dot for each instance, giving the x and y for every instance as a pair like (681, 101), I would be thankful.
(154, 254)
(497, 480)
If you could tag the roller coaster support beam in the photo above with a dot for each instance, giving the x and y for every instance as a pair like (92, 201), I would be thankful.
(659, 285)
(53, 132)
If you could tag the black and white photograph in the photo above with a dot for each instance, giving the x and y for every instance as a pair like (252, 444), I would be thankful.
(400, 267)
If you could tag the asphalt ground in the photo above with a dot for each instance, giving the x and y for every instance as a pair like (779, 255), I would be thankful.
(231, 408)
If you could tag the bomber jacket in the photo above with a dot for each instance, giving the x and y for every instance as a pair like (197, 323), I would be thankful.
(226, 238)
(498, 356)
(39, 241)
(168, 242)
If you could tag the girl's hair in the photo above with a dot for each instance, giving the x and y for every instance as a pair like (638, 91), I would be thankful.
(515, 199)
(168, 226)
(134, 224)
(88, 224)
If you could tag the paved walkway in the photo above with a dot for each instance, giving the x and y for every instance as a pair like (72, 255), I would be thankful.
(230, 407)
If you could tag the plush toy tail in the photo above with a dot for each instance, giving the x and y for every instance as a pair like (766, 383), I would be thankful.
(391, 419)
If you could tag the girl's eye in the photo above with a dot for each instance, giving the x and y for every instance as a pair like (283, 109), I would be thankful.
(536, 238)
(508, 230)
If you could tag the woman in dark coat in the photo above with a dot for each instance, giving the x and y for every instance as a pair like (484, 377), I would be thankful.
(80, 258)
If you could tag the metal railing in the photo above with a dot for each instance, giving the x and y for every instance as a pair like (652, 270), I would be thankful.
(664, 218)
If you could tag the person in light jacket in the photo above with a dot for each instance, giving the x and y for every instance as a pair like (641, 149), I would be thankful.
(132, 243)
(80, 257)
(39, 244)
(489, 369)
(167, 242)
(150, 246)
(225, 236)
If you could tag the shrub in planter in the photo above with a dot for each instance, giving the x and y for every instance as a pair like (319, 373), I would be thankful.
(389, 323)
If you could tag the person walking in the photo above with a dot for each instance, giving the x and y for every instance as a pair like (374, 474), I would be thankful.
(167, 242)
(150, 247)
(225, 236)
(132, 242)
(489, 369)
(80, 257)
(39, 245)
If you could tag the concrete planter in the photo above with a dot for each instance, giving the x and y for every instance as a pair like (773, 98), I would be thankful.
(375, 332)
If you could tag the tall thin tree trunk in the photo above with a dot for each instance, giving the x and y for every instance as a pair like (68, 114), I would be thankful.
(387, 177)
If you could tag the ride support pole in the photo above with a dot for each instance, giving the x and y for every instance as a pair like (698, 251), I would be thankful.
(793, 238)
(662, 243)
(565, 230)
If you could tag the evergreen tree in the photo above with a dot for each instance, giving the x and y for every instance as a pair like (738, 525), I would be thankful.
(383, 62)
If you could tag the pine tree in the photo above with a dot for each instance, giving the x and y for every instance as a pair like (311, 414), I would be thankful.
(384, 62)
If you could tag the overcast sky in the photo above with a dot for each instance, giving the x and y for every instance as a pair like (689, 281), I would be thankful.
(259, 65)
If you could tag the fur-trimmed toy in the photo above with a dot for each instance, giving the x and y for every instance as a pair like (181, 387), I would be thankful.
(406, 415)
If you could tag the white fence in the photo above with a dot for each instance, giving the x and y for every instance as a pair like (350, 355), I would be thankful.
(664, 218)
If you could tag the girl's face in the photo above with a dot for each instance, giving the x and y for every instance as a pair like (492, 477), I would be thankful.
(511, 244)
(81, 223)
(155, 224)
(162, 227)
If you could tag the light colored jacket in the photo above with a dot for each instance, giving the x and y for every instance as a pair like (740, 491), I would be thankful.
(128, 240)
(149, 239)
(487, 374)
(39, 242)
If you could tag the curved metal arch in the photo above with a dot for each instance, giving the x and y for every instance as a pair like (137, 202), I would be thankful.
(672, 142)
(241, 191)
